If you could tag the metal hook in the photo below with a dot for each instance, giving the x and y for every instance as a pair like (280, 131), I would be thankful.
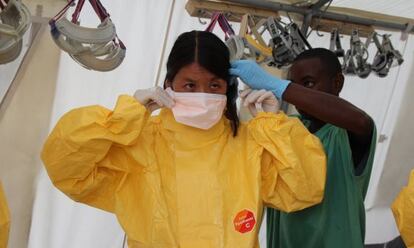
(228, 15)
(201, 21)
(319, 34)
(202, 13)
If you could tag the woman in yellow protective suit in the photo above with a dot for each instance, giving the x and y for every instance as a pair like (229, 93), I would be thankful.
(403, 210)
(192, 176)
(4, 219)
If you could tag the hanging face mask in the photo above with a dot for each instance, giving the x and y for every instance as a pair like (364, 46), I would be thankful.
(200, 110)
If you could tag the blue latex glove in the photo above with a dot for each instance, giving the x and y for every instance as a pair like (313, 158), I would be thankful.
(257, 78)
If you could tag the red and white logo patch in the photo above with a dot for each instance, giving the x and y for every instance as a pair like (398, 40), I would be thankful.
(244, 221)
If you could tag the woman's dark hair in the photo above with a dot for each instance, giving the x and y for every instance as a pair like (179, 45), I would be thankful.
(211, 53)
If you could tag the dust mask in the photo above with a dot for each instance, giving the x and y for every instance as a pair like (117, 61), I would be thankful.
(200, 110)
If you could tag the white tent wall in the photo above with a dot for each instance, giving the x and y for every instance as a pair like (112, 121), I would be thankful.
(24, 124)
(60, 222)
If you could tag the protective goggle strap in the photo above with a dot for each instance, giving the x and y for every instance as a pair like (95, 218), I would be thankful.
(212, 23)
(76, 13)
(2, 5)
(223, 22)
(225, 26)
(63, 11)
(299, 34)
(99, 9)
(338, 41)
(119, 42)
(377, 42)
(332, 40)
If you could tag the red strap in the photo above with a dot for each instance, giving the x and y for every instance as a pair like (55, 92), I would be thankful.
(76, 14)
(225, 26)
(63, 11)
(223, 22)
(96, 4)
(213, 22)
(99, 9)
(3, 4)
(121, 44)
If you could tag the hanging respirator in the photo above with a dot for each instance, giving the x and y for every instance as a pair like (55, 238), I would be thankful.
(287, 42)
(247, 45)
(355, 60)
(98, 48)
(386, 56)
(335, 44)
(15, 21)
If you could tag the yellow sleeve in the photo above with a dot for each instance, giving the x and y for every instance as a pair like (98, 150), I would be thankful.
(293, 162)
(83, 155)
(403, 210)
(4, 219)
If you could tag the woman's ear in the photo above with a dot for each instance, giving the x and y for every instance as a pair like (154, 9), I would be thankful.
(167, 84)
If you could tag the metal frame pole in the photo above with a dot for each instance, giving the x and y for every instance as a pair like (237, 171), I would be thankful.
(327, 15)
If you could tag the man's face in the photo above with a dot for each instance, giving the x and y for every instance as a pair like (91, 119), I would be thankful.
(311, 74)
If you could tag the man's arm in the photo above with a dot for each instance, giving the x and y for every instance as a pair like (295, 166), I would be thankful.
(336, 111)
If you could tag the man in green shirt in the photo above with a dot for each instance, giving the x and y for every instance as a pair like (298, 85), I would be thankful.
(348, 135)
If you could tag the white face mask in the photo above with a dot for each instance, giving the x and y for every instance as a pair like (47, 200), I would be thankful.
(200, 110)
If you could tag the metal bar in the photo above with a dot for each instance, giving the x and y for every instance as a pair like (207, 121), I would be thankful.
(319, 4)
(272, 6)
(325, 15)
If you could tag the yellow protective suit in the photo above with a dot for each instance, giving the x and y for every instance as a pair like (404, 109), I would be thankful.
(174, 186)
(4, 220)
(403, 209)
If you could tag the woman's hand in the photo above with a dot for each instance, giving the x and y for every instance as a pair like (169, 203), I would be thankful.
(154, 98)
(259, 101)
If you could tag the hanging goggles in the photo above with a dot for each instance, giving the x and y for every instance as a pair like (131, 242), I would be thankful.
(355, 61)
(386, 56)
(15, 20)
(257, 49)
(98, 48)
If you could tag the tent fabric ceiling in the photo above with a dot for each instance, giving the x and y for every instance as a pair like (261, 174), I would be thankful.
(400, 8)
